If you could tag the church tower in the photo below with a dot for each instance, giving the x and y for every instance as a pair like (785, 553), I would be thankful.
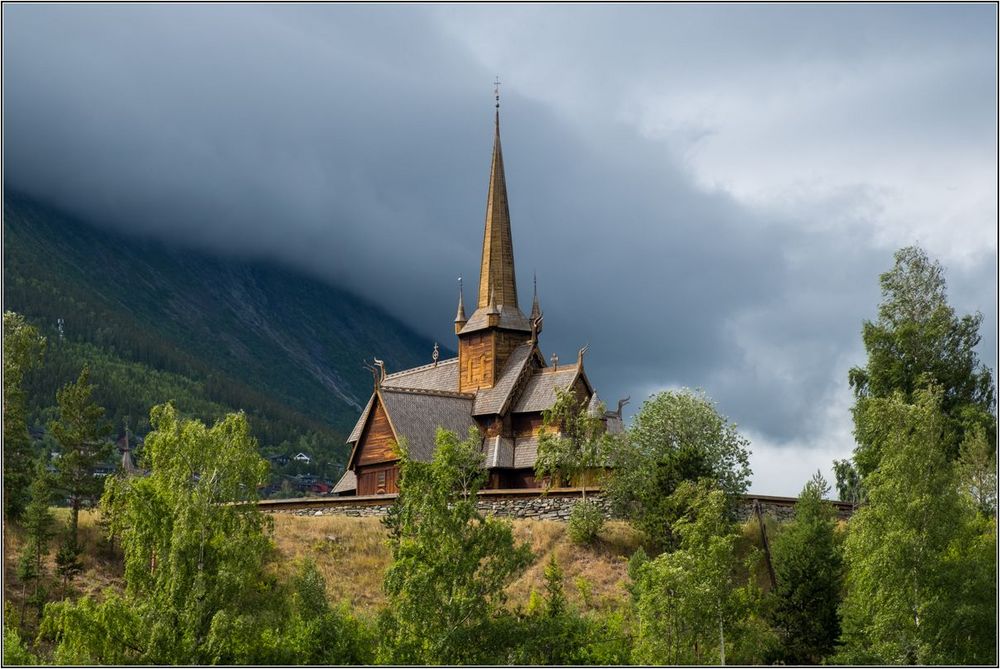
(498, 325)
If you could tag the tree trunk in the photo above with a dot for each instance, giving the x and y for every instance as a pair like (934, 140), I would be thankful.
(722, 644)
(74, 520)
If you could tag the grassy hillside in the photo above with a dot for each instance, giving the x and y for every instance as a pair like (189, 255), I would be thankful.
(352, 555)
(158, 323)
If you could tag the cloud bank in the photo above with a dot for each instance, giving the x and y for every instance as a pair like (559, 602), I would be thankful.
(707, 193)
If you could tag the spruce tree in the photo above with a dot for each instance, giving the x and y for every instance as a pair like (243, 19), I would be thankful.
(22, 349)
(809, 575)
(82, 434)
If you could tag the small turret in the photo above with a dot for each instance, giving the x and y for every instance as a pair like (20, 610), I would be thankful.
(492, 311)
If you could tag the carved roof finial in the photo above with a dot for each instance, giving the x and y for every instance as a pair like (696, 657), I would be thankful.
(579, 355)
(435, 354)
(378, 371)
(555, 362)
(536, 309)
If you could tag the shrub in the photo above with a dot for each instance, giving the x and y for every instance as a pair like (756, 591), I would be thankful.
(585, 521)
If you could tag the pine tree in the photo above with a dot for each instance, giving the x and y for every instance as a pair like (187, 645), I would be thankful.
(38, 528)
(22, 349)
(809, 575)
(81, 432)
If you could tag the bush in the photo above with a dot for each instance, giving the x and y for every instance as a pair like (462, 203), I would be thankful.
(585, 521)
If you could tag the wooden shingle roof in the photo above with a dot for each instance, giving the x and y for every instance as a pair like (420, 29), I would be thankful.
(360, 425)
(511, 318)
(540, 392)
(349, 481)
(443, 377)
(417, 414)
(494, 400)
(498, 452)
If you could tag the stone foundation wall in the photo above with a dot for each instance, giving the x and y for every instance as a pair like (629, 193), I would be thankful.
(546, 507)
(540, 507)
(553, 506)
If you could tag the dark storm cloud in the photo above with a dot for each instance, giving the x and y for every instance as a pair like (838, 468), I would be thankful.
(353, 142)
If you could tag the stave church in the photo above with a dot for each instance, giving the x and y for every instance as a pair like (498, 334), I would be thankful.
(500, 381)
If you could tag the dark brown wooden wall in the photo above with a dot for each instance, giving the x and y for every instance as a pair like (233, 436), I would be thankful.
(482, 355)
(377, 443)
(527, 424)
(475, 353)
(378, 480)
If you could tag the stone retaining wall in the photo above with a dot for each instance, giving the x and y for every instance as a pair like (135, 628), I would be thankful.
(540, 507)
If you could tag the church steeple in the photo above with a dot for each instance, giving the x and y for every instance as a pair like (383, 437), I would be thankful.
(496, 271)
(497, 326)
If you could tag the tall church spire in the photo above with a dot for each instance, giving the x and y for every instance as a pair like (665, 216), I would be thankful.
(497, 269)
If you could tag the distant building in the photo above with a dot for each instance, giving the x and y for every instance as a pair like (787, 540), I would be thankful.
(279, 459)
(302, 457)
(500, 382)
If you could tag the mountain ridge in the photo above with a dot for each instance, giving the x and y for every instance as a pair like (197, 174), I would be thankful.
(240, 328)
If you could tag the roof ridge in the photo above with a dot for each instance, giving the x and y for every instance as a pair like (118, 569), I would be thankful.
(421, 367)
(427, 391)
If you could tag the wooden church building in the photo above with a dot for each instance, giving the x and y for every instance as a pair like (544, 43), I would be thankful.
(500, 381)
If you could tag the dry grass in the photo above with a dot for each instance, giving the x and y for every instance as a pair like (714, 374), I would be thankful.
(101, 568)
(352, 555)
(594, 575)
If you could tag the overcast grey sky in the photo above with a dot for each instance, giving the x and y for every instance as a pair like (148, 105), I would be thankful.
(708, 193)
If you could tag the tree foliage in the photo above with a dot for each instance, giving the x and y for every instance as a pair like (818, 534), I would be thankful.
(450, 564)
(690, 603)
(809, 573)
(977, 470)
(23, 347)
(572, 443)
(675, 437)
(38, 525)
(572, 448)
(194, 544)
(916, 342)
(554, 632)
(850, 488)
(920, 561)
(82, 433)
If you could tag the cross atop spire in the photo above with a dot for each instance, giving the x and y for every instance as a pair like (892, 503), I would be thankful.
(497, 268)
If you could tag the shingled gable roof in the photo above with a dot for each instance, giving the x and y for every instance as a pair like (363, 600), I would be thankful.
(349, 481)
(362, 419)
(443, 376)
(511, 318)
(496, 399)
(540, 391)
(416, 415)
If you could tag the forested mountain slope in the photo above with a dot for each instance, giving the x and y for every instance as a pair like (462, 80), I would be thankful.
(157, 322)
